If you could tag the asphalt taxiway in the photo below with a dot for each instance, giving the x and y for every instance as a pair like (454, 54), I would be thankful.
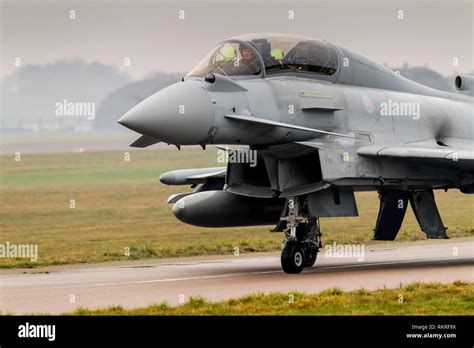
(57, 290)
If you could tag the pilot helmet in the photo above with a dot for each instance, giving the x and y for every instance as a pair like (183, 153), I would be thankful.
(242, 47)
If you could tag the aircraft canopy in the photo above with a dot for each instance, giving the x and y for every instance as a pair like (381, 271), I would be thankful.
(278, 54)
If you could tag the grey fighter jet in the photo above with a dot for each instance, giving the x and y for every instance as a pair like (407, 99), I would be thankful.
(319, 122)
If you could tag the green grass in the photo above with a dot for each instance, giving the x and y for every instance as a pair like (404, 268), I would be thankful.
(122, 205)
(414, 299)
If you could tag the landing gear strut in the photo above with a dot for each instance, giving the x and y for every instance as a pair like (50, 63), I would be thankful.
(302, 238)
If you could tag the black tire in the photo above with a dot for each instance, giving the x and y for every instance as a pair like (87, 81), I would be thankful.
(310, 254)
(292, 258)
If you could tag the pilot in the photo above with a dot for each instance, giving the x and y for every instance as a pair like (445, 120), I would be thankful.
(265, 48)
(248, 64)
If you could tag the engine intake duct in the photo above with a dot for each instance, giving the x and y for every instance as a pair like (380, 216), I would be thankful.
(465, 84)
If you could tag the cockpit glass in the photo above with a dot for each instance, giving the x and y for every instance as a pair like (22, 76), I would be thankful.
(292, 54)
(242, 56)
(229, 59)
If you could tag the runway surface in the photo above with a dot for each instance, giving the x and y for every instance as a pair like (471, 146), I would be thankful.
(132, 284)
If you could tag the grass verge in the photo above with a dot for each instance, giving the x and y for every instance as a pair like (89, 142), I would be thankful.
(120, 211)
(414, 299)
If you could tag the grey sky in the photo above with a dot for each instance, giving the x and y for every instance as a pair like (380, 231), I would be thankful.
(155, 39)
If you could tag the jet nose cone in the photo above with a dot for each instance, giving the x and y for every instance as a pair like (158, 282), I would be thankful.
(180, 114)
(130, 120)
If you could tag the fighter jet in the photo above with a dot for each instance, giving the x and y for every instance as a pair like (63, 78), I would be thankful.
(320, 122)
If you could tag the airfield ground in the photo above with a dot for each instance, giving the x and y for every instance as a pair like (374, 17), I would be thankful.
(456, 298)
(134, 286)
(120, 206)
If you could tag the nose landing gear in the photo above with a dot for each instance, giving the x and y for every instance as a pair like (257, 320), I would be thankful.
(302, 239)
(292, 257)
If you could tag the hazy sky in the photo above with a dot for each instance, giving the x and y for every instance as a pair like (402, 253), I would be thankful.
(151, 34)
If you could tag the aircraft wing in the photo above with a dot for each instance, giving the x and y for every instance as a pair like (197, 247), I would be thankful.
(459, 155)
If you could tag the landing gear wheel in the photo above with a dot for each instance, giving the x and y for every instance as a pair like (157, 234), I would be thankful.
(292, 257)
(310, 253)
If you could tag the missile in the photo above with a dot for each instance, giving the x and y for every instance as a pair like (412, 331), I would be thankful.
(192, 176)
